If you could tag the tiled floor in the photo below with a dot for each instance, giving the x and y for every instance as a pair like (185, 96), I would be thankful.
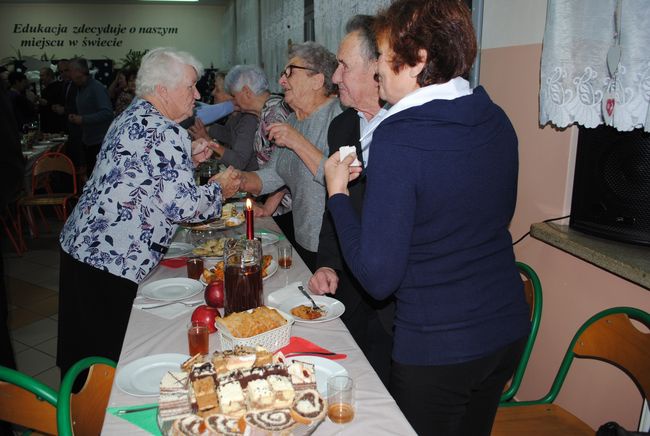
(32, 282)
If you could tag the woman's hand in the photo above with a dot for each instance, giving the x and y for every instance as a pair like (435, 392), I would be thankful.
(201, 151)
(324, 281)
(338, 174)
(229, 181)
(198, 130)
(286, 136)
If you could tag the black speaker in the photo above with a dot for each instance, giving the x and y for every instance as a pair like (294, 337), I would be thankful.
(611, 187)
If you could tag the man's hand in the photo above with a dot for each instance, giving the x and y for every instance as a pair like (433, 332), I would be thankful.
(198, 130)
(201, 151)
(58, 109)
(339, 173)
(229, 181)
(324, 281)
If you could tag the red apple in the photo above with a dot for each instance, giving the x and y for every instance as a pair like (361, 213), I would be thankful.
(214, 294)
(206, 315)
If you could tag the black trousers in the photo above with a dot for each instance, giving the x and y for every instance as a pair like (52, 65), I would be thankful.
(285, 222)
(459, 399)
(94, 310)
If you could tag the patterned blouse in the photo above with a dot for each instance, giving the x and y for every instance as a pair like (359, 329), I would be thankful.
(141, 188)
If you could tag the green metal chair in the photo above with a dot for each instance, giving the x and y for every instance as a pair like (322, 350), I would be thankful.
(27, 402)
(83, 413)
(610, 337)
(533, 292)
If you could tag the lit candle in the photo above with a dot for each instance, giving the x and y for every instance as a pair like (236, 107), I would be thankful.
(250, 228)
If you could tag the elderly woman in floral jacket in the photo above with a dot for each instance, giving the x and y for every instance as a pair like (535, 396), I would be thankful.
(142, 187)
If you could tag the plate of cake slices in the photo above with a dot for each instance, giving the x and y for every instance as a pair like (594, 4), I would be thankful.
(141, 378)
(245, 390)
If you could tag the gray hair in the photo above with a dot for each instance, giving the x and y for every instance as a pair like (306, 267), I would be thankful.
(364, 26)
(163, 66)
(246, 75)
(319, 58)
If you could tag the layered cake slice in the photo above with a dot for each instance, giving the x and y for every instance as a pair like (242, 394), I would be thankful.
(260, 395)
(282, 390)
(203, 380)
(303, 375)
(231, 398)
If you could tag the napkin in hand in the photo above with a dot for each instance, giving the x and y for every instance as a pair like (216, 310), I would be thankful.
(145, 419)
(299, 345)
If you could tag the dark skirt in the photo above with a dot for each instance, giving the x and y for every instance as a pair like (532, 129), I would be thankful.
(94, 310)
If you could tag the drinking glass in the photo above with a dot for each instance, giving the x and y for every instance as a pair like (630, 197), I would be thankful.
(242, 275)
(340, 399)
(198, 338)
(194, 268)
(285, 255)
(207, 169)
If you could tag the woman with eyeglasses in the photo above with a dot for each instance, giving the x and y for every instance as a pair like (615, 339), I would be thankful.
(298, 161)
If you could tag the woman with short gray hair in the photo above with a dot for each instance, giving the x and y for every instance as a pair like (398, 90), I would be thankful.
(140, 190)
(302, 141)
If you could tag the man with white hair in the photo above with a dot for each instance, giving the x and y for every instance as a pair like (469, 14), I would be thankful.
(369, 321)
(142, 188)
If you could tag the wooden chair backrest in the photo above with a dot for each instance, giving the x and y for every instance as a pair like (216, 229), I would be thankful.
(88, 407)
(52, 162)
(616, 340)
(19, 406)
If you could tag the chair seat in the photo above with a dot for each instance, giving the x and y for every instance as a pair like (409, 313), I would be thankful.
(538, 420)
(45, 199)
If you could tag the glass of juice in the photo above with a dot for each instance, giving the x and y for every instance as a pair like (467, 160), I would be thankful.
(198, 338)
(194, 268)
(340, 399)
(242, 275)
(285, 255)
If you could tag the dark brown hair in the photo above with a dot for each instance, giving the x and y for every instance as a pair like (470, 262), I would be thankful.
(443, 28)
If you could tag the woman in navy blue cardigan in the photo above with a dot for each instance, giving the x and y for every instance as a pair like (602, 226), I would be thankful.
(441, 191)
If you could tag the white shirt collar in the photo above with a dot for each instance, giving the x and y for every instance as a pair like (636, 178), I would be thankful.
(456, 87)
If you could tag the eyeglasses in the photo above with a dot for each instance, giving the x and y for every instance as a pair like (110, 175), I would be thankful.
(289, 69)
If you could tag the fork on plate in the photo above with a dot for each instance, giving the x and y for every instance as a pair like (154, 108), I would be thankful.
(306, 294)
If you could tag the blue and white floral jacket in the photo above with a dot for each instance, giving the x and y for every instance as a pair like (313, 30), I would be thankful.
(141, 188)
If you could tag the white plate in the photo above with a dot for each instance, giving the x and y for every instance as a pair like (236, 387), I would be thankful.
(325, 368)
(266, 238)
(178, 249)
(141, 378)
(333, 307)
(44, 144)
(174, 289)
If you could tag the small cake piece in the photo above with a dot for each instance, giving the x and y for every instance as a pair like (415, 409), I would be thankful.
(173, 406)
(303, 375)
(189, 363)
(260, 395)
(189, 425)
(225, 425)
(174, 382)
(278, 420)
(232, 360)
(282, 390)
(231, 398)
(263, 357)
(278, 358)
(204, 385)
(308, 406)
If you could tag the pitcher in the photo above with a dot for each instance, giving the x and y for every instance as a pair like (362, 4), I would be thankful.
(242, 275)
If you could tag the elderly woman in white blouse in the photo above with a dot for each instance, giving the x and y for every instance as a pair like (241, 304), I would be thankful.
(142, 187)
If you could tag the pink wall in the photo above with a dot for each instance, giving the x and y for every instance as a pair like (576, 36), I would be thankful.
(573, 289)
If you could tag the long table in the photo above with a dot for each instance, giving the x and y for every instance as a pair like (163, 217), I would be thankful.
(147, 334)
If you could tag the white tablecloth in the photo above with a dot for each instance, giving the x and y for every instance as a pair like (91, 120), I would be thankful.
(376, 411)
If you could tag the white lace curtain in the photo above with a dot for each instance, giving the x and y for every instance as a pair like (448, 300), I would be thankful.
(575, 79)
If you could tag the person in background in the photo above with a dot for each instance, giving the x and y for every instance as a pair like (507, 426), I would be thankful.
(302, 142)
(440, 194)
(94, 111)
(141, 189)
(127, 94)
(52, 93)
(74, 146)
(119, 84)
(369, 321)
(249, 87)
(233, 140)
(24, 110)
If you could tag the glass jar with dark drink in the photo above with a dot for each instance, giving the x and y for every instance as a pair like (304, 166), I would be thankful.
(206, 170)
(242, 275)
